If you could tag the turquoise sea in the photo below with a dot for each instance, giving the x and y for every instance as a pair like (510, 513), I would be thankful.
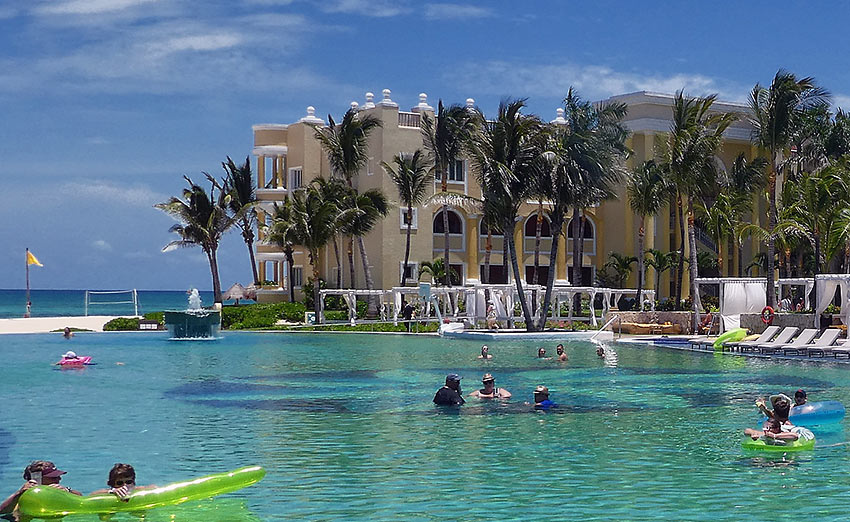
(345, 427)
(56, 303)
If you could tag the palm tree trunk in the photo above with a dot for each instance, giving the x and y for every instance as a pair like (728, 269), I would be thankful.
(696, 304)
(367, 272)
(316, 287)
(817, 270)
(680, 266)
(509, 237)
(289, 261)
(488, 249)
(847, 257)
(771, 225)
(582, 222)
(338, 264)
(211, 255)
(407, 246)
(351, 261)
(250, 242)
(640, 274)
(446, 245)
(557, 225)
(740, 260)
(576, 275)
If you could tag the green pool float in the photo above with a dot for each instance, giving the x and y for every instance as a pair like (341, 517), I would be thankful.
(731, 336)
(48, 502)
(800, 444)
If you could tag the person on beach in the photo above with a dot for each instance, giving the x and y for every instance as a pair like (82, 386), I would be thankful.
(38, 473)
(407, 313)
(121, 482)
(485, 354)
(562, 356)
(489, 391)
(67, 334)
(450, 393)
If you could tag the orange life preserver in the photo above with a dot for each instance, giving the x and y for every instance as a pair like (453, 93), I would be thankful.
(767, 314)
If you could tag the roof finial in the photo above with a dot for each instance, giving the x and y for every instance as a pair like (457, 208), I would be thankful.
(355, 106)
(559, 119)
(470, 103)
(311, 116)
(387, 102)
(423, 104)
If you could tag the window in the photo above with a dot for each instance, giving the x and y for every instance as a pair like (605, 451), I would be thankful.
(402, 219)
(542, 274)
(295, 178)
(297, 276)
(588, 229)
(457, 172)
(455, 223)
(412, 272)
(531, 227)
(498, 275)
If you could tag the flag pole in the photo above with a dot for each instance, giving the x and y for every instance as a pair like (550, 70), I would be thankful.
(27, 262)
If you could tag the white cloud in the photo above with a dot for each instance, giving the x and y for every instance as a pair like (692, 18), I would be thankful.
(136, 195)
(193, 42)
(591, 81)
(97, 140)
(376, 8)
(88, 7)
(841, 101)
(455, 12)
(100, 244)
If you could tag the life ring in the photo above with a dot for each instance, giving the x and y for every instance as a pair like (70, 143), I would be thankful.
(767, 314)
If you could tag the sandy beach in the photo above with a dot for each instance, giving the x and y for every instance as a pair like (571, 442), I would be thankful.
(49, 324)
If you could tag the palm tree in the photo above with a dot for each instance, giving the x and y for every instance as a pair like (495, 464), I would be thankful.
(203, 221)
(582, 162)
(687, 154)
(445, 139)
(622, 267)
(744, 179)
(717, 219)
(412, 177)
(661, 262)
(507, 153)
(347, 147)
(436, 269)
(647, 190)
(368, 208)
(281, 232)
(773, 110)
(336, 190)
(239, 183)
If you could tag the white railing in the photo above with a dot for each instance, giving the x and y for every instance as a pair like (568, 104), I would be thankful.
(408, 119)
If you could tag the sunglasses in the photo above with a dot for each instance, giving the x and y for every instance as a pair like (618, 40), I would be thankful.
(121, 482)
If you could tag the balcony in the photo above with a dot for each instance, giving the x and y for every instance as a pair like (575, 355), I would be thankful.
(408, 119)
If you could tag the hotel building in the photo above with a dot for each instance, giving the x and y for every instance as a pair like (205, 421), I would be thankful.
(288, 157)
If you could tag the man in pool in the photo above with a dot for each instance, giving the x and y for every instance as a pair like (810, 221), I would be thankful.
(121, 482)
(485, 353)
(541, 399)
(600, 351)
(450, 394)
(489, 391)
(38, 473)
(800, 397)
(562, 356)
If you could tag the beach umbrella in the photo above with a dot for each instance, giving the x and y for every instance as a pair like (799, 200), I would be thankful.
(236, 291)
(251, 292)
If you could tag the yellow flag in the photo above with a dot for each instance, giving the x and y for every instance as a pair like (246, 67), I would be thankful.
(31, 260)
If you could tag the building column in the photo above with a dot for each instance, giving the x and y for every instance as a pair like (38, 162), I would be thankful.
(261, 172)
(472, 269)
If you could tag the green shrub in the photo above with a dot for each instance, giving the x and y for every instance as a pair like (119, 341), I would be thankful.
(155, 316)
(260, 315)
(120, 324)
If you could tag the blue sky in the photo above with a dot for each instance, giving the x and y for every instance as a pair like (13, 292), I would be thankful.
(106, 104)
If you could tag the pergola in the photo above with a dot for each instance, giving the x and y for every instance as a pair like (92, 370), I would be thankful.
(826, 285)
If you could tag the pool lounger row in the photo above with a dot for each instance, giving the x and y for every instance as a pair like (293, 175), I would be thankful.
(785, 343)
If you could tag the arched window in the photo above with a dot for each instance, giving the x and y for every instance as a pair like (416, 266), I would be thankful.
(531, 227)
(589, 228)
(455, 223)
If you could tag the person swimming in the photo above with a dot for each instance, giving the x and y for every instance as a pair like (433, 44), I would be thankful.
(541, 353)
(562, 357)
(485, 354)
(489, 391)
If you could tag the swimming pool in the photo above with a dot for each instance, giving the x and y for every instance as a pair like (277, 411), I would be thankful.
(345, 427)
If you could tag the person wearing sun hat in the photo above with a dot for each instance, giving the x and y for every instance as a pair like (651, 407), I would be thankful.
(541, 398)
(781, 404)
(489, 391)
(450, 394)
(38, 473)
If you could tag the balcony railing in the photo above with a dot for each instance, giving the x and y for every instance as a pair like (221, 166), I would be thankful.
(408, 119)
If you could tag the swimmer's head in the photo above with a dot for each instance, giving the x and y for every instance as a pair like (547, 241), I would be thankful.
(484, 350)
(453, 381)
(800, 397)
(541, 352)
(541, 393)
(559, 349)
(488, 380)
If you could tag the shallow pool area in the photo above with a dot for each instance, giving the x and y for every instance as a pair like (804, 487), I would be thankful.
(345, 427)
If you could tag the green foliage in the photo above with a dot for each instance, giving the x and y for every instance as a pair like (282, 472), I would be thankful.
(383, 327)
(155, 316)
(120, 324)
(309, 291)
(260, 315)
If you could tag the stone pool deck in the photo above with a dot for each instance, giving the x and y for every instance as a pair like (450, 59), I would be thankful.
(50, 324)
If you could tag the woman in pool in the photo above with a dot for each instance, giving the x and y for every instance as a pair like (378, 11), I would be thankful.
(489, 391)
(485, 354)
(121, 482)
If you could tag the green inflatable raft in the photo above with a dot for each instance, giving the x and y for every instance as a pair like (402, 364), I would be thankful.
(48, 502)
(731, 336)
(795, 445)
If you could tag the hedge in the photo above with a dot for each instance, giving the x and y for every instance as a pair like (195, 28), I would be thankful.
(122, 324)
(260, 315)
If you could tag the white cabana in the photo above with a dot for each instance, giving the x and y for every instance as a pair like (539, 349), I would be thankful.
(807, 282)
(826, 285)
(738, 295)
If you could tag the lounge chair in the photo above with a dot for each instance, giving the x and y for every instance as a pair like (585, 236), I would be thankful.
(842, 347)
(827, 338)
(784, 337)
(765, 336)
(830, 335)
(801, 341)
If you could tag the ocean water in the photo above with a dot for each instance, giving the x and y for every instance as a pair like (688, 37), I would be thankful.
(58, 303)
(345, 427)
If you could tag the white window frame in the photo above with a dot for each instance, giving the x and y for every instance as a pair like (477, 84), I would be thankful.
(291, 178)
(415, 218)
(414, 270)
(295, 271)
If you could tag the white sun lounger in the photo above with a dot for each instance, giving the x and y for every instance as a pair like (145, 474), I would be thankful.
(784, 337)
(827, 345)
(842, 347)
(768, 334)
(826, 339)
(805, 338)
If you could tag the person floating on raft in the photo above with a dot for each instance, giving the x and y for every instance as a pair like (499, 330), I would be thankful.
(777, 429)
(71, 358)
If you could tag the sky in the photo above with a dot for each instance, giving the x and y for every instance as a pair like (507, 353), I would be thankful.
(106, 104)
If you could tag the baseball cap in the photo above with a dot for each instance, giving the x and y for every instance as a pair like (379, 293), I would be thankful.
(48, 469)
(542, 389)
(800, 393)
(779, 397)
(453, 377)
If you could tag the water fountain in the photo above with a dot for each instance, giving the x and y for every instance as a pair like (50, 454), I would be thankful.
(194, 323)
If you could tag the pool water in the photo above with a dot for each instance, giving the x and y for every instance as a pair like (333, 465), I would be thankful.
(345, 427)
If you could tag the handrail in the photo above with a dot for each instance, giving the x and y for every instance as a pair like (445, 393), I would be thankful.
(615, 318)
